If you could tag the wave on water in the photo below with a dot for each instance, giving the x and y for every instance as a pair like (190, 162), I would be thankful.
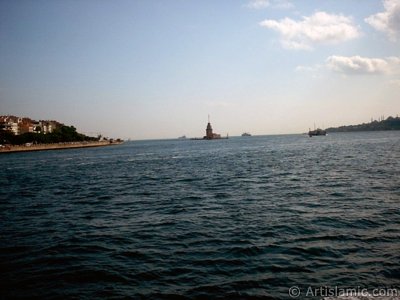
(240, 218)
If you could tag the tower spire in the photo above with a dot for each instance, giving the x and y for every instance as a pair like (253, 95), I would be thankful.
(208, 118)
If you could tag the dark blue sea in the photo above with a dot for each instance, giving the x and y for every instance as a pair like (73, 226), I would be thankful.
(242, 218)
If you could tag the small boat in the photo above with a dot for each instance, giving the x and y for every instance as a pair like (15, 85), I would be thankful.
(246, 134)
(316, 132)
(183, 137)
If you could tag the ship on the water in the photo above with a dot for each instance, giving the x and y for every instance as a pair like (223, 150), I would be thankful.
(246, 134)
(316, 132)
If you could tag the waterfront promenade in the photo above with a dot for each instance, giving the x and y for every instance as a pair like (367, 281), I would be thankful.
(55, 146)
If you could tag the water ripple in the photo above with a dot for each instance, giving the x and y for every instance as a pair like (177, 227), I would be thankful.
(230, 219)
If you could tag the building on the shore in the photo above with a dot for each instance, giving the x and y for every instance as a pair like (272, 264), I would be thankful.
(10, 123)
(49, 126)
(18, 125)
(26, 125)
(210, 135)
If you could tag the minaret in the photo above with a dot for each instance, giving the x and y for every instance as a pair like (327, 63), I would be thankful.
(209, 131)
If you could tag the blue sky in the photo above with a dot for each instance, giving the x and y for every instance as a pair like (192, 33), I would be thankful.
(156, 69)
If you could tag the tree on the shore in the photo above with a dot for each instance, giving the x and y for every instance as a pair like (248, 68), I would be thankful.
(389, 124)
(61, 134)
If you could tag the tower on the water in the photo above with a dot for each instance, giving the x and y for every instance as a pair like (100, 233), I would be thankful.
(210, 135)
(209, 131)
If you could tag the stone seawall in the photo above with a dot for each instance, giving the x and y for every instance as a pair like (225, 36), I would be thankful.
(55, 146)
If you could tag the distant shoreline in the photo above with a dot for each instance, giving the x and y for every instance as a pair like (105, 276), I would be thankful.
(56, 146)
(382, 125)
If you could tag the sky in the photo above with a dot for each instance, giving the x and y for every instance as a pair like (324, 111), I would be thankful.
(149, 69)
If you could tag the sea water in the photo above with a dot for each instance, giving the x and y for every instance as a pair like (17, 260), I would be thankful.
(245, 217)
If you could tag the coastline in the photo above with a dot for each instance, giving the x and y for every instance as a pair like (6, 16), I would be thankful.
(56, 146)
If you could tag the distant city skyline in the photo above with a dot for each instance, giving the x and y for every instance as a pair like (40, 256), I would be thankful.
(157, 69)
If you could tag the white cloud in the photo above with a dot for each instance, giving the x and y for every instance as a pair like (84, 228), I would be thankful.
(283, 4)
(258, 4)
(261, 4)
(363, 65)
(387, 21)
(319, 28)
